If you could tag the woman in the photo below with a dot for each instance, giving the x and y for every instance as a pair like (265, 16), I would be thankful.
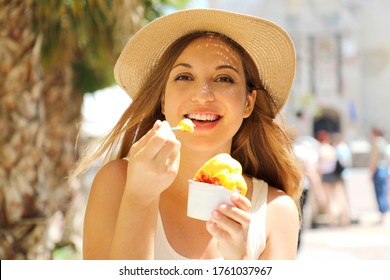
(336, 207)
(379, 170)
(231, 74)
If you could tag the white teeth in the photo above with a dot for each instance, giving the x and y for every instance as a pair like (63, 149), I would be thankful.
(202, 117)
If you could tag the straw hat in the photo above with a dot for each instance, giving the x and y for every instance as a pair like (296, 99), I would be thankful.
(270, 47)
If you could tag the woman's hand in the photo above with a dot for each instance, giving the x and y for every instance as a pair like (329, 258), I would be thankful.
(229, 225)
(153, 162)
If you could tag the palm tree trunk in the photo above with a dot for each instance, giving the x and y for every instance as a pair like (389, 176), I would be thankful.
(38, 131)
(22, 166)
(39, 112)
(63, 114)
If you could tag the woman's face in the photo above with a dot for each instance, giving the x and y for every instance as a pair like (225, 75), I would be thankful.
(207, 85)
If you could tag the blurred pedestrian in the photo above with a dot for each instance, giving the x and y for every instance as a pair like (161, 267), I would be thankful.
(327, 169)
(379, 164)
(313, 195)
(343, 164)
(331, 167)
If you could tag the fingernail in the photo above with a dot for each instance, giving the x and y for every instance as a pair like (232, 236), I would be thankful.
(157, 124)
(210, 224)
(216, 215)
(222, 207)
(235, 197)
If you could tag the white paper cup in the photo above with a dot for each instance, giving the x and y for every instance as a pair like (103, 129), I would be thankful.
(204, 198)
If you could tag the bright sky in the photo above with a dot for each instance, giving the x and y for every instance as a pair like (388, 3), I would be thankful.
(102, 110)
(198, 4)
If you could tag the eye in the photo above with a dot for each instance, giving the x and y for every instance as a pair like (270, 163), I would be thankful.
(225, 79)
(183, 78)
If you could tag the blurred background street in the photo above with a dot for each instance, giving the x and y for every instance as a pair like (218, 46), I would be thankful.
(365, 239)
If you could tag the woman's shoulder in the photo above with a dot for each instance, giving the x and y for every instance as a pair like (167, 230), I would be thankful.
(113, 167)
(282, 225)
(111, 175)
(282, 215)
(277, 200)
(280, 204)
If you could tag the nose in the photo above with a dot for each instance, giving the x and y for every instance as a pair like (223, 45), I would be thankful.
(203, 94)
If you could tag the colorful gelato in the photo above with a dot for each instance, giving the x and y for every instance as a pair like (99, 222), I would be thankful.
(222, 170)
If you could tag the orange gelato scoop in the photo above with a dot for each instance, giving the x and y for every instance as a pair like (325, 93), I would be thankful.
(185, 125)
(222, 170)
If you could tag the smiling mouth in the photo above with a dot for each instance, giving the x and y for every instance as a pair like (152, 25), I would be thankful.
(203, 117)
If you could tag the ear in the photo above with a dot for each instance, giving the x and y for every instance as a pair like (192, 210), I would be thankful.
(250, 103)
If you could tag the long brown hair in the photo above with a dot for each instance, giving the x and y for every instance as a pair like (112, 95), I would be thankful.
(260, 145)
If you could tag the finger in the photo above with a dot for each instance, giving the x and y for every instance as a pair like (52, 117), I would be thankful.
(168, 153)
(241, 201)
(226, 223)
(231, 218)
(163, 136)
(157, 124)
(137, 146)
(165, 131)
(174, 157)
(216, 231)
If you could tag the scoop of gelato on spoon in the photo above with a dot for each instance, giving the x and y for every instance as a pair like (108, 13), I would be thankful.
(185, 125)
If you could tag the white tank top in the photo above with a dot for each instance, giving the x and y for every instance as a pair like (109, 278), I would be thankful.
(256, 233)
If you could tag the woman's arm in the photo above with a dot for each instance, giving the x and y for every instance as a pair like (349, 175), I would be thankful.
(121, 215)
(282, 227)
(111, 214)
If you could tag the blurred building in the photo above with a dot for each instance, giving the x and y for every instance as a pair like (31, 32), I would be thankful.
(342, 80)
(343, 69)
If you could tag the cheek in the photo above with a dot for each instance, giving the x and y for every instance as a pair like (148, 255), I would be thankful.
(171, 106)
(171, 100)
(172, 92)
(239, 100)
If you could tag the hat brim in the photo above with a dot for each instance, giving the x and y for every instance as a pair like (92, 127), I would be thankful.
(270, 47)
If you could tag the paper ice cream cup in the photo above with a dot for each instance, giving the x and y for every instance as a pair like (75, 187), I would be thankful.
(204, 198)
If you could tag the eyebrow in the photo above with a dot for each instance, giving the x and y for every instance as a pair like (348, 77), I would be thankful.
(228, 67)
(186, 65)
(224, 66)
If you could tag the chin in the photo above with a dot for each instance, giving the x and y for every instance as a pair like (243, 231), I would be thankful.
(207, 145)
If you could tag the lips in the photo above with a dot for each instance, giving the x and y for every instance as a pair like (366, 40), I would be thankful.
(204, 121)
